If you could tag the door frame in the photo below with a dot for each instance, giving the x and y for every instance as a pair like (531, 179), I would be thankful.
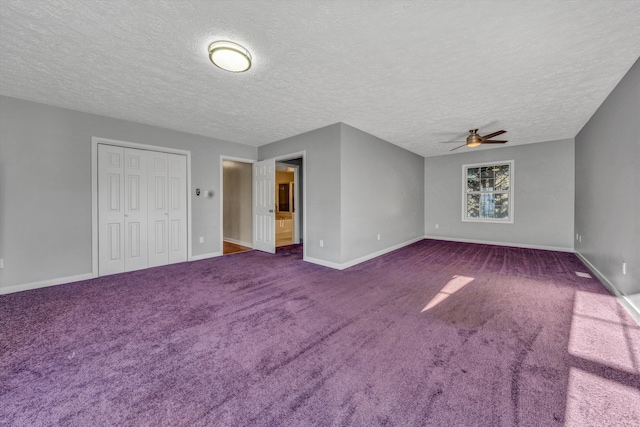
(283, 159)
(234, 159)
(296, 205)
(295, 194)
(95, 140)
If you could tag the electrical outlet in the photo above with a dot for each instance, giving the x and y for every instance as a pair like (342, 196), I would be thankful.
(437, 226)
(201, 239)
(624, 268)
(322, 243)
(378, 237)
(577, 236)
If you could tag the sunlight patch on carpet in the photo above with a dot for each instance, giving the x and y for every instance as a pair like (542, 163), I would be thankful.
(454, 285)
(591, 397)
(601, 333)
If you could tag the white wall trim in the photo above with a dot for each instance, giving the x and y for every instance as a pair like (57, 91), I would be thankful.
(289, 156)
(95, 140)
(631, 308)
(362, 259)
(381, 252)
(607, 284)
(45, 283)
(238, 242)
(318, 261)
(488, 242)
(205, 256)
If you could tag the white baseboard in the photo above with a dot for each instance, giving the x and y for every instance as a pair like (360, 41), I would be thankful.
(238, 242)
(330, 264)
(344, 265)
(607, 284)
(205, 256)
(488, 242)
(77, 278)
(626, 303)
(381, 252)
(45, 283)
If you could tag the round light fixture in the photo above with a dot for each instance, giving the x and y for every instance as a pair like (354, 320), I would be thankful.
(473, 140)
(229, 56)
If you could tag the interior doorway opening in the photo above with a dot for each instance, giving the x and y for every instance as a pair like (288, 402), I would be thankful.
(251, 204)
(288, 201)
(237, 215)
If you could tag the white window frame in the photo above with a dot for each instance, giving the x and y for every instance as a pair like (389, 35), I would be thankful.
(509, 219)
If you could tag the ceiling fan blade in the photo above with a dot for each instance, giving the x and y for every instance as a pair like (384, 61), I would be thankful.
(451, 142)
(491, 135)
(453, 149)
(495, 142)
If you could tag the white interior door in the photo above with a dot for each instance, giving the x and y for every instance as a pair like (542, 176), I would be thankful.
(158, 211)
(264, 203)
(110, 209)
(177, 204)
(135, 209)
(296, 201)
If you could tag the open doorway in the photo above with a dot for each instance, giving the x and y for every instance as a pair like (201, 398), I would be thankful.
(244, 197)
(278, 193)
(236, 206)
(288, 202)
(285, 203)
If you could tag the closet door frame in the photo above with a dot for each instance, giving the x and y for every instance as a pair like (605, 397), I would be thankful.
(94, 190)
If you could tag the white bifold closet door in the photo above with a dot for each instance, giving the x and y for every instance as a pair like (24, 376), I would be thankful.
(142, 209)
(167, 208)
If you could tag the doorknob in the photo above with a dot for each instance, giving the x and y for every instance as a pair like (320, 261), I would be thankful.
(126, 215)
(166, 213)
(270, 210)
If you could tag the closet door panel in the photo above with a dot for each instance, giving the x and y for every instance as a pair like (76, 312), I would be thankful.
(158, 209)
(111, 227)
(177, 202)
(135, 213)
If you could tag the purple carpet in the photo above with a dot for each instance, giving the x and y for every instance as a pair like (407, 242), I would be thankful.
(436, 333)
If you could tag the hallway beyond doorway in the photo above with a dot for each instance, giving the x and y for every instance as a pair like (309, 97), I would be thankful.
(232, 248)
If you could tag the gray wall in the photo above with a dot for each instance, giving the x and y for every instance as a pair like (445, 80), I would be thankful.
(382, 193)
(322, 188)
(607, 203)
(357, 186)
(237, 206)
(543, 198)
(45, 186)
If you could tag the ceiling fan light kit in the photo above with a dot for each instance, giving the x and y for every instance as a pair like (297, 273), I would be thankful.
(474, 140)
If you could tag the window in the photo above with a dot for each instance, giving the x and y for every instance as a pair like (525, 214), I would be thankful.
(487, 192)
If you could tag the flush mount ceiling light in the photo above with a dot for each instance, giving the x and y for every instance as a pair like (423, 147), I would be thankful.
(229, 56)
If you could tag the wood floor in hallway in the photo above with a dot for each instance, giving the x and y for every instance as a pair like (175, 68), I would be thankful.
(232, 248)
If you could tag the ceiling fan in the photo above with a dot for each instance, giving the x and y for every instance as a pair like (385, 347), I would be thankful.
(473, 140)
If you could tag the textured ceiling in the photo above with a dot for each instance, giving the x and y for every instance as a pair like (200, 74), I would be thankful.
(410, 72)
